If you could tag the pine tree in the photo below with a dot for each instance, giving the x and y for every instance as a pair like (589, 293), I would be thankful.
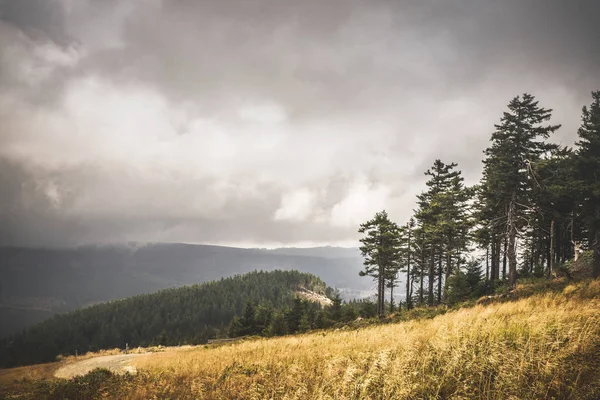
(248, 319)
(304, 324)
(554, 218)
(381, 250)
(518, 143)
(235, 327)
(294, 316)
(588, 166)
(263, 318)
(335, 310)
(473, 276)
(278, 325)
(409, 257)
(445, 222)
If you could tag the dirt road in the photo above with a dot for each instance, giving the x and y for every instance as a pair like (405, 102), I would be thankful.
(118, 364)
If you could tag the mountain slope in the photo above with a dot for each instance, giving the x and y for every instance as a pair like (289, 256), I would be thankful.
(37, 283)
(189, 314)
(541, 342)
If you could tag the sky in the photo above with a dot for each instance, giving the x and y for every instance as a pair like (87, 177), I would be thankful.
(263, 123)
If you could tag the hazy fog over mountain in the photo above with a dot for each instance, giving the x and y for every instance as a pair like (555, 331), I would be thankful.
(262, 123)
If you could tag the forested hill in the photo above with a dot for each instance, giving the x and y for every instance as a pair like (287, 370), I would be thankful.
(189, 314)
(67, 279)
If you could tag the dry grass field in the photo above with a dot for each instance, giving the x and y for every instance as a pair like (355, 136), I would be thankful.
(543, 346)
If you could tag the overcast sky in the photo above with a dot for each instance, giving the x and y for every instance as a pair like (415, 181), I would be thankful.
(263, 123)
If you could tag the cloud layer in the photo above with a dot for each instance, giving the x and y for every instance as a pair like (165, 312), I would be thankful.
(262, 122)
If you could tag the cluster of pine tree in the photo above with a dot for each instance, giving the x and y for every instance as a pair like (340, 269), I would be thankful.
(301, 316)
(537, 205)
(184, 315)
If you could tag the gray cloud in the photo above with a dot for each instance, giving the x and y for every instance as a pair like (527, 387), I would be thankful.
(256, 122)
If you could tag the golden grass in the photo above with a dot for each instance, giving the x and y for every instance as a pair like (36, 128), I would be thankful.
(11, 378)
(542, 347)
(38, 371)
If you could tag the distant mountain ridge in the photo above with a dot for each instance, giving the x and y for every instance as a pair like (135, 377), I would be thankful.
(324, 251)
(36, 283)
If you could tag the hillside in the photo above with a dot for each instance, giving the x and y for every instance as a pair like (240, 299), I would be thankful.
(67, 279)
(185, 315)
(541, 342)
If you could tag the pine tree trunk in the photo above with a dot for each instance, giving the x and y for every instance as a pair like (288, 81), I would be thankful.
(408, 281)
(497, 261)
(504, 258)
(440, 277)
(422, 272)
(512, 240)
(566, 250)
(487, 262)
(532, 255)
(382, 300)
(431, 278)
(539, 261)
(391, 297)
(596, 243)
(493, 269)
(560, 251)
(448, 273)
(551, 260)
(380, 293)
(421, 300)
(575, 255)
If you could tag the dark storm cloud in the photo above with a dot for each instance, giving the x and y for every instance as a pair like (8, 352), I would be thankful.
(262, 121)
(36, 18)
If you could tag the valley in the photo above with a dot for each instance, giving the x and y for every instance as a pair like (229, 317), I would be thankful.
(68, 279)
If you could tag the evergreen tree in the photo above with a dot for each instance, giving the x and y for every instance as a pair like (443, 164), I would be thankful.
(473, 276)
(588, 166)
(409, 257)
(518, 143)
(235, 328)
(278, 325)
(304, 325)
(264, 316)
(335, 310)
(294, 316)
(381, 248)
(444, 222)
(248, 319)
(554, 224)
(458, 288)
(466, 284)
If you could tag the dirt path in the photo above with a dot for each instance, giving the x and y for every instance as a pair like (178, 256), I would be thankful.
(118, 364)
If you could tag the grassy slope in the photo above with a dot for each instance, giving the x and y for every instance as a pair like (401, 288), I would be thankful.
(543, 346)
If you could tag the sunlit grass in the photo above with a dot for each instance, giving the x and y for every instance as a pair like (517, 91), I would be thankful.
(544, 346)
(540, 342)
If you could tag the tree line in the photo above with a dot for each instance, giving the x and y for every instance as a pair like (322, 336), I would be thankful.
(302, 316)
(537, 205)
(184, 315)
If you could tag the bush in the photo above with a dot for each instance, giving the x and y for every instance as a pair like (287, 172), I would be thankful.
(94, 384)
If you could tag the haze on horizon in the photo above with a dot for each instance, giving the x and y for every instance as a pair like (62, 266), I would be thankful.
(262, 123)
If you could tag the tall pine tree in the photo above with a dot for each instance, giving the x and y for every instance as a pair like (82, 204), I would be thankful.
(518, 143)
(381, 248)
(588, 166)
